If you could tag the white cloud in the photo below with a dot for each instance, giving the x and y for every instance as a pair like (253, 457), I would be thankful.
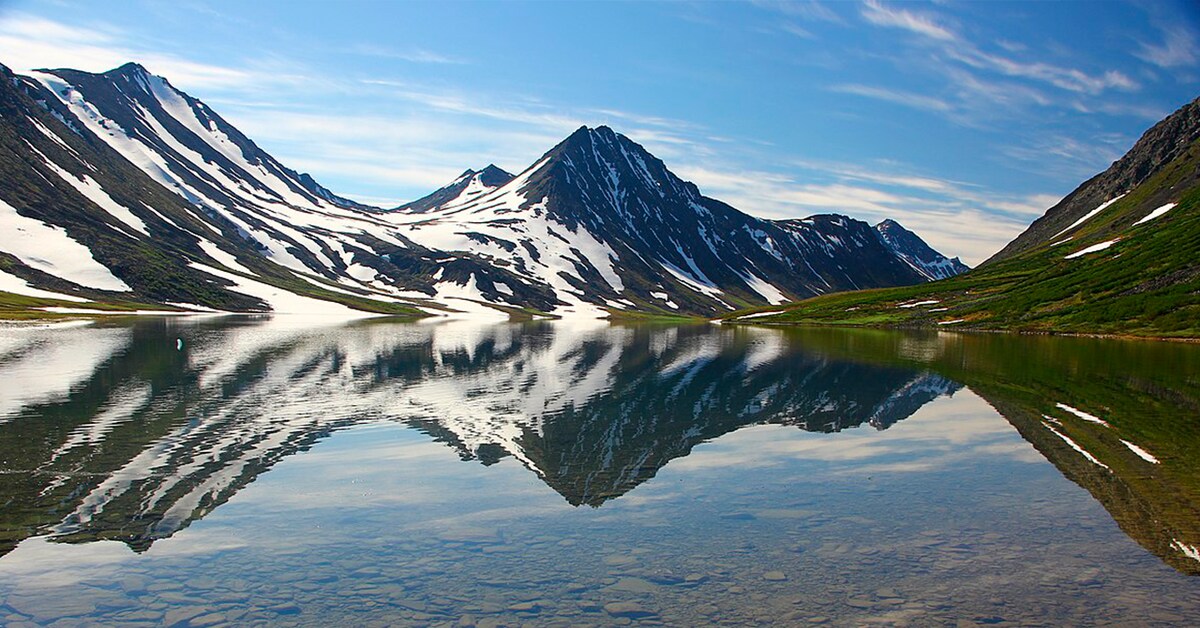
(924, 25)
(808, 10)
(908, 99)
(1178, 48)
(977, 83)
(413, 55)
(30, 42)
(1068, 79)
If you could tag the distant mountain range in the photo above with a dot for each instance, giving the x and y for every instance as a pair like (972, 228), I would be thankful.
(1119, 255)
(118, 191)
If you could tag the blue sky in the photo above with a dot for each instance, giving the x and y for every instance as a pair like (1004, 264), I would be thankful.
(963, 120)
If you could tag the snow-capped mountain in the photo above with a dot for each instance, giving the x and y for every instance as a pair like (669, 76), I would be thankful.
(916, 253)
(469, 185)
(173, 205)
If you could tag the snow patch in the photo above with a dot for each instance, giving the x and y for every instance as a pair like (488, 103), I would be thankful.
(282, 301)
(467, 299)
(1074, 445)
(1156, 213)
(1092, 249)
(91, 190)
(16, 285)
(769, 292)
(1188, 550)
(1089, 215)
(49, 249)
(1142, 453)
(757, 315)
(229, 261)
(1083, 415)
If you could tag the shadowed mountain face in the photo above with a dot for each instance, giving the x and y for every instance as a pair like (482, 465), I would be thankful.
(133, 432)
(156, 424)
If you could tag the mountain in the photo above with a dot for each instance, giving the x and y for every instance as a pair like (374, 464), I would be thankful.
(1164, 146)
(1119, 255)
(603, 222)
(913, 250)
(154, 200)
(466, 187)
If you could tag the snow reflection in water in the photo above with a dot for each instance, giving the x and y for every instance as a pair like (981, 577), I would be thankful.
(720, 481)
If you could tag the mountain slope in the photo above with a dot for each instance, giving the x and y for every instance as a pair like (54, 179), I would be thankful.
(1159, 147)
(177, 206)
(70, 194)
(1119, 256)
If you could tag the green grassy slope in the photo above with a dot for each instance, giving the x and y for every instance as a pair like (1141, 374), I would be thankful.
(1145, 284)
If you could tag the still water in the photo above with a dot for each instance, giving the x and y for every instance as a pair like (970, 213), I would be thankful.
(274, 472)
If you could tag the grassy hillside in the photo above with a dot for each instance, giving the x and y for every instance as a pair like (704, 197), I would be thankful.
(1147, 283)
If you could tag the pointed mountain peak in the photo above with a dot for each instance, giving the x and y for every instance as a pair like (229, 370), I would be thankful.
(131, 68)
(603, 144)
(588, 136)
(916, 252)
(492, 176)
(469, 184)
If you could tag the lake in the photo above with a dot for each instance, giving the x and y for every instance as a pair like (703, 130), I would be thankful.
(240, 471)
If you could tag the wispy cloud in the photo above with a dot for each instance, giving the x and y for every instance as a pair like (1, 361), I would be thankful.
(918, 23)
(899, 97)
(413, 55)
(30, 42)
(1077, 158)
(1004, 77)
(1178, 48)
(808, 10)
(1068, 79)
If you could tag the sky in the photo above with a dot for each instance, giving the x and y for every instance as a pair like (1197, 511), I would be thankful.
(964, 121)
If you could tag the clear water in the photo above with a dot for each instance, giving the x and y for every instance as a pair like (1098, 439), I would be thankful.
(275, 472)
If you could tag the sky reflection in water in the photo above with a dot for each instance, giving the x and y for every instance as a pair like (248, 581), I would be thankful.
(613, 474)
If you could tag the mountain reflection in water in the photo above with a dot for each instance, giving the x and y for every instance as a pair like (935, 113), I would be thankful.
(120, 432)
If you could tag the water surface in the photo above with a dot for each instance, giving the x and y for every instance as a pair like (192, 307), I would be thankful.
(274, 472)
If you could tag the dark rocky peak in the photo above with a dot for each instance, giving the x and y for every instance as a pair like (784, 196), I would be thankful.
(131, 69)
(909, 247)
(599, 172)
(124, 93)
(900, 239)
(492, 176)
